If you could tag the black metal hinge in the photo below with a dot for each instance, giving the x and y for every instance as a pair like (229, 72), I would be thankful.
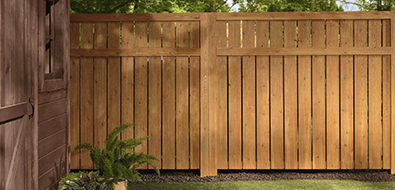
(31, 104)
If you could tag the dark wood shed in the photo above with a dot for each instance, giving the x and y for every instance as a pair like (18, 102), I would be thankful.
(34, 75)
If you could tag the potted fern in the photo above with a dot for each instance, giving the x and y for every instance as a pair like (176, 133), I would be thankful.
(118, 160)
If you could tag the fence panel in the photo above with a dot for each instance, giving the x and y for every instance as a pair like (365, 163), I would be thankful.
(285, 91)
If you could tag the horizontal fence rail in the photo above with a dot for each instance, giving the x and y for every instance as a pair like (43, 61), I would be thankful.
(238, 90)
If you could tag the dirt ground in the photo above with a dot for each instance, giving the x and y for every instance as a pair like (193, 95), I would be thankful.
(256, 175)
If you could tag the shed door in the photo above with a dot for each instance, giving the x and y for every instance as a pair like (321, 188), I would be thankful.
(17, 150)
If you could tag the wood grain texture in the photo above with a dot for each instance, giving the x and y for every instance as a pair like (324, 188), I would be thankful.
(139, 17)
(392, 93)
(360, 88)
(276, 93)
(211, 59)
(346, 95)
(182, 87)
(74, 98)
(168, 112)
(304, 85)
(155, 95)
(234, 72)
(249, 104)
(304, 15)
(290, 100)
(332, 95)
(386, 96)
(222, 104)
(141, 90)
(113, 80)
(86, 95)
(115, 52)
(263, 95)
(100, 87)
(127, 80)
(303, 51)
(194, 95)
(318, 79)
(374, 97)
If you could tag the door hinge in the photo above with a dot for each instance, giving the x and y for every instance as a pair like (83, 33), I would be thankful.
(31, 104)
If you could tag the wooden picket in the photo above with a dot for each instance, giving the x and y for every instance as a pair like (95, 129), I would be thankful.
(237, 90)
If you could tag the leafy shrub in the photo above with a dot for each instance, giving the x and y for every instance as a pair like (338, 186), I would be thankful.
(118, 160)
(90, 181)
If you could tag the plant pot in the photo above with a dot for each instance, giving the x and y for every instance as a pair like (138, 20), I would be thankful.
(120, 186)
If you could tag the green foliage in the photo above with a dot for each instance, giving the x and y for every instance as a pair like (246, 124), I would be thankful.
(372, 5)
(148, 6)
(86, 181)
(100, 6)
(288, 5)
(71, 175)
(118, 160)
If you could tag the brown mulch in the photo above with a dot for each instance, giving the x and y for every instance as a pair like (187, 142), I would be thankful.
(256, 175)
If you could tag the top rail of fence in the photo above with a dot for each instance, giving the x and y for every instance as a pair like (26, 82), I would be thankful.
(305, 15)
(231, 16)
(135, 17)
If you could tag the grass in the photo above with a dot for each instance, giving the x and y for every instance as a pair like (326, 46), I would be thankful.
(281, 184)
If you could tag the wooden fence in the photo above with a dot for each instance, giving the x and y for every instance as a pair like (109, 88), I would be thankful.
(238, 90)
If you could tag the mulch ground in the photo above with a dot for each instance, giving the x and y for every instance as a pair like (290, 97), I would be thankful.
(193, 176)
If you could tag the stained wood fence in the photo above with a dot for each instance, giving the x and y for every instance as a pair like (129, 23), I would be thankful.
(238, 90)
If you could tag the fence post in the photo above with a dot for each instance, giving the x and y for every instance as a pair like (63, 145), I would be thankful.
(393, 93)
(208, 132)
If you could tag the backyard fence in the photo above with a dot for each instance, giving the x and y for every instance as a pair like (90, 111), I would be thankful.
(237, 90)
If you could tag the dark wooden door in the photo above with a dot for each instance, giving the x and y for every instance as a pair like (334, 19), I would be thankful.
(17, 137)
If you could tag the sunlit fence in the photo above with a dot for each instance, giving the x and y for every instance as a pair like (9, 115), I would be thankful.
(237, 90)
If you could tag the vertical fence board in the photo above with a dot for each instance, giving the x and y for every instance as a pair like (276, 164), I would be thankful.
(304, 72)
(386, 97)
(113, 74)
(86, 94)
(208, 138)
(332, 102)
(276, 93)
(360, 87)
(222, 101)
(74, 97)
(290, 98)
(346, 95)
(318, 68)
(392, 92)
(248, 79)
(127, 80)
(141, 104)
(234, 98)
(194, 102)
(182, 151)
(99, 88)
(374, 97)
(168, 112)
(262, 100)
(155, 95)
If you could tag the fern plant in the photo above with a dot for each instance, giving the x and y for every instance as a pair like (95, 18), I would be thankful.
(118, 160)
